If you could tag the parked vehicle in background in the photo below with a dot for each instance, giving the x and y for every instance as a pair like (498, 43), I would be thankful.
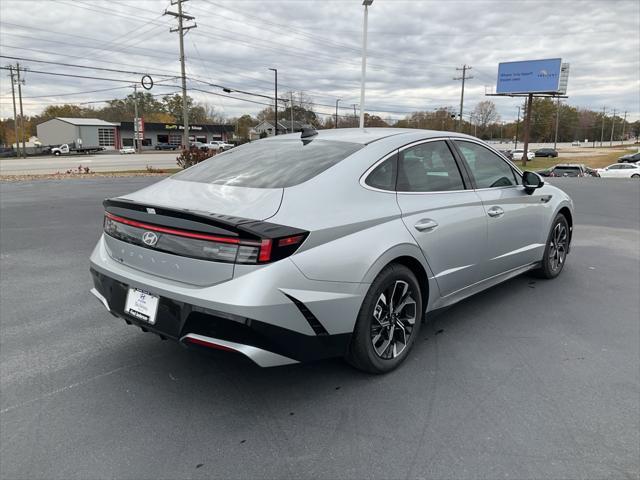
(568, 170)
(70, 148)
(219, 146)
(517, 154)
(507, 153)
(199, 146)
(546, 152)
(576, 143)
(620, 170)
(329, 243)
(630, 158)
(127, 150)
(166, 146)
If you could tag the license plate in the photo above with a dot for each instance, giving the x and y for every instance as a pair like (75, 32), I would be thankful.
(142, 305)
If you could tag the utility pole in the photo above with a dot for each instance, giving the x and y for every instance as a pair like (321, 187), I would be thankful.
(275, 102)
(15, 114)
(613, 122)
(136, 144)
(463, 78)
(182, 31)
(555, 141)
(355, 116)
(602, 129)
(515, 147)
(525, 136)
(24, 147)
(624, 121)
(291, 98)
(337, 100)
(366, 4)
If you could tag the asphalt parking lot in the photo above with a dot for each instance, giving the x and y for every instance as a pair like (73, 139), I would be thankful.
(531, 379)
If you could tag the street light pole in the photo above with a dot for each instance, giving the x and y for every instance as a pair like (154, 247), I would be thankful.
(366, 4)
(613, 123)
(336, 125)
(275, 102)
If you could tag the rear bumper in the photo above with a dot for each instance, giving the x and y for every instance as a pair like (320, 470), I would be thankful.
(273, 315)
(267, 345)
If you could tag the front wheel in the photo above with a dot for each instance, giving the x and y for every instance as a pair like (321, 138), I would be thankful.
(388, 322)
(555, 252)
(635, 175)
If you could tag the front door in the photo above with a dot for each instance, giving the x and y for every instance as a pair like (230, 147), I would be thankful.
(446, 220)
(516, 235)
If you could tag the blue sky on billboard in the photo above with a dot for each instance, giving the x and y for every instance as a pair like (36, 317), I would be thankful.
(529, 76)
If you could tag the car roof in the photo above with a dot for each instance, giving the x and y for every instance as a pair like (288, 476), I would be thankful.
(367, 135)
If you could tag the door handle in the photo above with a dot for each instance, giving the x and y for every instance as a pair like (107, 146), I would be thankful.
(495, 212)
(426, 225)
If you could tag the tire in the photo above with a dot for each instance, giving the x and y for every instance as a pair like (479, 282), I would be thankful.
(555, 252)
(635, 175)
(57, 154)
(379, 344)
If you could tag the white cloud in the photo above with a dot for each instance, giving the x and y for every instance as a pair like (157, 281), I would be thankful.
(414, 48)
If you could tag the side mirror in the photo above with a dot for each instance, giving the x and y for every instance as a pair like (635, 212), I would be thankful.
(531, 181)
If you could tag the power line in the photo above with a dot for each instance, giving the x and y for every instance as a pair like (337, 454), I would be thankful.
(102, 69)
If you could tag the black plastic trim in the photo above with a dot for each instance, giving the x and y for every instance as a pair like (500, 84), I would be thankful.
(314, 323)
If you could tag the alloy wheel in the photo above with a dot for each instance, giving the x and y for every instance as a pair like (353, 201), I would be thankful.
(558, 247)
(394, 318)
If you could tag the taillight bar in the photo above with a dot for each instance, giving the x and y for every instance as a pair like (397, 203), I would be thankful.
(172, 231)
(262, 250)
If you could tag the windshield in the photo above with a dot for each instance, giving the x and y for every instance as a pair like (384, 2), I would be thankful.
(270, 164)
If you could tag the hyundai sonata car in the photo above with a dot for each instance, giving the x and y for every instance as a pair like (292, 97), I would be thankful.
(332, 243)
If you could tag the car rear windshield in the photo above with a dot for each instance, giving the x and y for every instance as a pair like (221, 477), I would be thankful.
(270, 164)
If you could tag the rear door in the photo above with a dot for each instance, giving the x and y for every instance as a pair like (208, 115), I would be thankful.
(515, 218)
(446, 219)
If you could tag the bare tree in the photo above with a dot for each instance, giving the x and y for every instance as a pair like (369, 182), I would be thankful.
(486, 114)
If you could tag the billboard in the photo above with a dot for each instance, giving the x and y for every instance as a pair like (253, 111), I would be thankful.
(529, 76)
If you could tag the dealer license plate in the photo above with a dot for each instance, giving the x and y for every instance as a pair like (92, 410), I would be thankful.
(142, 305)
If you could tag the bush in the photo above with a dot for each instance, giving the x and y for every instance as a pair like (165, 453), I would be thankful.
(192, 156)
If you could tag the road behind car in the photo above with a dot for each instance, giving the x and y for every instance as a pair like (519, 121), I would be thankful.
(529, 379)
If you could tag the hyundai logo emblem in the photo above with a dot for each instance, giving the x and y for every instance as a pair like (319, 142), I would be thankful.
(149, 238)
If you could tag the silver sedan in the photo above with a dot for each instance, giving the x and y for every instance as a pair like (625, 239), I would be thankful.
(330, 243)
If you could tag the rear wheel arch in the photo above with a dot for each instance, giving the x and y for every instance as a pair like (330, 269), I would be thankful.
(421, 275)
(567, 214)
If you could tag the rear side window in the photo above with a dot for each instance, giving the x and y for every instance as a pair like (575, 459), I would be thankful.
(428, 167)
(488, 169)
(270, 164)
(383, 176)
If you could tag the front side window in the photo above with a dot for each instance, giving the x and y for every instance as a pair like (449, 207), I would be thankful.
(270, 164)
(428, 167)
(488, 169)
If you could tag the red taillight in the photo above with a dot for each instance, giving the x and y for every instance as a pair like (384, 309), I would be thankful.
(285, 242)
(265, 250)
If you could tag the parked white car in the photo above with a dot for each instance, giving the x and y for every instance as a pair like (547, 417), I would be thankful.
(517, 154)
(126, 150)
(218, 145)
(620, 170)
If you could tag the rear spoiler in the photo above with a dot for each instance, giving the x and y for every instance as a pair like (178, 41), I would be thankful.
(198, 221)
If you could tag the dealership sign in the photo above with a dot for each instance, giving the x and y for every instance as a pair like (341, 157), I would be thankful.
(530, 76)
(173, 126)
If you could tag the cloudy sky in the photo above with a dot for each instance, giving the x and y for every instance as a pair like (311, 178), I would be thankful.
(414, 50)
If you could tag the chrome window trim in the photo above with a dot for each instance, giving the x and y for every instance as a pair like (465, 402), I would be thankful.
(397, 151)
(500, 156)
(365, 175)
